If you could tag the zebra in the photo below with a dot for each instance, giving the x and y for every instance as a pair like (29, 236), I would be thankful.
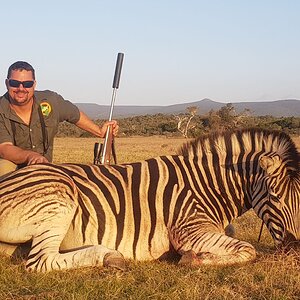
(75, 215)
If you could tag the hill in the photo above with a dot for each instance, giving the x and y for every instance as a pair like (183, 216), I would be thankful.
(279, 108)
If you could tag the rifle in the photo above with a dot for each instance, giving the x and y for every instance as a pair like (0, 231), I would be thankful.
(103, 152)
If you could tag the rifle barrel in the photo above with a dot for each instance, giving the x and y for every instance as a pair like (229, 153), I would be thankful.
(118, 70)
(115, 85)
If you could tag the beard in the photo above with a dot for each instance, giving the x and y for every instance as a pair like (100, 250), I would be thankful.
(20, 98)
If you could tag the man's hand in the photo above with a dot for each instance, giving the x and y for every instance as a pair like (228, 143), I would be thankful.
(35, 158)
(88, 125)
(20, 156)
(113, 124)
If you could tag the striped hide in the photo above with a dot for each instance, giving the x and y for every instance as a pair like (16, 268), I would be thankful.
(79, 215)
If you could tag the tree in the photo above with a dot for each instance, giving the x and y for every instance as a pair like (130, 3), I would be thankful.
(184, 121)
(227, 116)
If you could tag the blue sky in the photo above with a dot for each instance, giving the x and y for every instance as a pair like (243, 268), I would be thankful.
(175, 51)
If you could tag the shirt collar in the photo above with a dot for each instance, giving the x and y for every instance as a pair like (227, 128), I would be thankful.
(10, 113)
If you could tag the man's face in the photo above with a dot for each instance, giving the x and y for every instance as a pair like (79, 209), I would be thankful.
(20, 95)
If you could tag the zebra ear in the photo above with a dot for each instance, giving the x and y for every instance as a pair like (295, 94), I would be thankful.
(270, 163)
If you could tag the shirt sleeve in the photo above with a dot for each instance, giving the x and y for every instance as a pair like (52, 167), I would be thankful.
(5, 134)
(67, 110)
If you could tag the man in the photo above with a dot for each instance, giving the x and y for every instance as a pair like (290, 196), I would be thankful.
(29, 120)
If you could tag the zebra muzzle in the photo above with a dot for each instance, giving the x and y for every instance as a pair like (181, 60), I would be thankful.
(290, 241)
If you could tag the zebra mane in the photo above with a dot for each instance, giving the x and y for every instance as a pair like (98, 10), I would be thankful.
(253, 139)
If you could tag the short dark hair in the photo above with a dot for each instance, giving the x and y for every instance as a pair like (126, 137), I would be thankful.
(21, 65)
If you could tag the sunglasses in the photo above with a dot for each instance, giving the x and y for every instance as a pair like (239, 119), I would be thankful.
(16, 83)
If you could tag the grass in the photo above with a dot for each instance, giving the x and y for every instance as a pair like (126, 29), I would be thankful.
(272, 275)
(80, 150)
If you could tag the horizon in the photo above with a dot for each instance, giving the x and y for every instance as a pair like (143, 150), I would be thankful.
(229, 51)
(189, 102)
(278, 108)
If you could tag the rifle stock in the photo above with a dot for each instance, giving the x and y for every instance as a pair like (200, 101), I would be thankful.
(103, 152)
(105, 157)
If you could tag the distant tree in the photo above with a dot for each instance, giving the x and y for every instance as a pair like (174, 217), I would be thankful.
(184, 121)
(245, 119)
(190, 123)
(212, 120)
(227, 116)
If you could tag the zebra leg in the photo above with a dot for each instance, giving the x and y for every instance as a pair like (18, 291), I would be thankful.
(45, 256)
(211, 248)
(7, 249)
(15, 251)
(46, 259)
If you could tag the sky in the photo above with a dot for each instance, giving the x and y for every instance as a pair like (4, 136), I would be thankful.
(174, 51)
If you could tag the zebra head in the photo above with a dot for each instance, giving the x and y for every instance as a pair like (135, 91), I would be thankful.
(280, 207)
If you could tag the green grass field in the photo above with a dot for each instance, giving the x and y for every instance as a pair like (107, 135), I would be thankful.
(271, 276)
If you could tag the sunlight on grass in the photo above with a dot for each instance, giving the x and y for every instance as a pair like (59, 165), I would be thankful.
(81, 150)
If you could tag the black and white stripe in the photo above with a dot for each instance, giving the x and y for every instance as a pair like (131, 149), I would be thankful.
(79, 215)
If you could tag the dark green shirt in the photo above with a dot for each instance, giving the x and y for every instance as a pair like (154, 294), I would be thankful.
(30, 137)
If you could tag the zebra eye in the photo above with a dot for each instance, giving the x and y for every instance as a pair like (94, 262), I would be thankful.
(274, 197)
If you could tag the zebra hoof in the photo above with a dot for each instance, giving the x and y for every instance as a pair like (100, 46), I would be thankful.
(114, 260)
(230, 230)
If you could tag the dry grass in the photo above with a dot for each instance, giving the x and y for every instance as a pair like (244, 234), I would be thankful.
(80, 150)
(271, 276)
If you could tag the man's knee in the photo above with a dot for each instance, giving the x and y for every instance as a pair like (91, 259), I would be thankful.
(6, 167)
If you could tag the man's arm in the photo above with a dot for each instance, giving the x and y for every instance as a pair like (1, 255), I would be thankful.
(87, 124)
(19, 156)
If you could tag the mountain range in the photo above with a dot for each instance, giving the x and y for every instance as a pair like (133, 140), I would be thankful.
(278, 108)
